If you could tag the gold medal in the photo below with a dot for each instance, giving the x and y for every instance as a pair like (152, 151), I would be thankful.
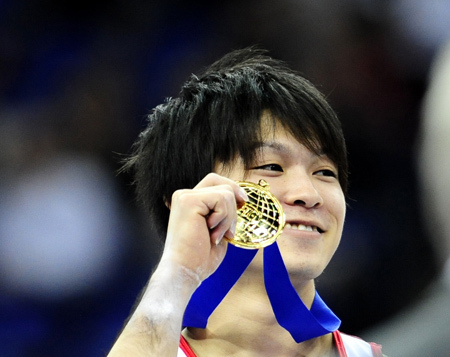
(261, 220)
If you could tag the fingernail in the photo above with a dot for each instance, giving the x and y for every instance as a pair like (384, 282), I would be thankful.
(242, 194)
(218, 240)
(233, 228)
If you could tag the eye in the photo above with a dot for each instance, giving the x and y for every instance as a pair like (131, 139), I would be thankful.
(269, 167)
(326, 173)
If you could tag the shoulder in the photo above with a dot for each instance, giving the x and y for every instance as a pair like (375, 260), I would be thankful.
(355, 346)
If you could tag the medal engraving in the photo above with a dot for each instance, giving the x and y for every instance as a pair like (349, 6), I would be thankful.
(260, 220)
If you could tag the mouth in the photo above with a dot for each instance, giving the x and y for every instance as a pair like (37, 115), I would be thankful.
(303, 227)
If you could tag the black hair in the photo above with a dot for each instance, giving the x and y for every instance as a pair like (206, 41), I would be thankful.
(217, 117)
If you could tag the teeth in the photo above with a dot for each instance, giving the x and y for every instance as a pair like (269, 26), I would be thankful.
(301, 227)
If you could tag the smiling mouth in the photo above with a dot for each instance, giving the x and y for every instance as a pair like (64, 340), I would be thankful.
(301, 227)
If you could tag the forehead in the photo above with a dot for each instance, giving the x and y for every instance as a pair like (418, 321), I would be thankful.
(284, 146)
(273, 132)
(274, 140)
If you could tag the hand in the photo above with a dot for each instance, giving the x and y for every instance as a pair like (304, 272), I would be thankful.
(199, 219)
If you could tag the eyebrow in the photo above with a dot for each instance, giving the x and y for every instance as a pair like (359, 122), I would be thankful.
(274, 145)
(284, 149)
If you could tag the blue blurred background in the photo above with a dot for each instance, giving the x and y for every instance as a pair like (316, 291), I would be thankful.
(76, 81)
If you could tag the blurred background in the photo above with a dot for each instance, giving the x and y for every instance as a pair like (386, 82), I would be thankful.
(76, 82)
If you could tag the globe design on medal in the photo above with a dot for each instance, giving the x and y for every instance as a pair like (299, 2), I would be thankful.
(260, 220)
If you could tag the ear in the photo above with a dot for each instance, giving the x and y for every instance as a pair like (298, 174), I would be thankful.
(167, 203)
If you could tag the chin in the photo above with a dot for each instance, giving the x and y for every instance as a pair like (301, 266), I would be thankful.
(305, 261)
(303, 271)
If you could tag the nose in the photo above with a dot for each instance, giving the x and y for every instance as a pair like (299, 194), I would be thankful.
(301, 191)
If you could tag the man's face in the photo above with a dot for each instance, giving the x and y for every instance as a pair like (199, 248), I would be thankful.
(308, 188)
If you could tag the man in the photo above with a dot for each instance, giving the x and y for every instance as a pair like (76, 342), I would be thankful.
(247, 117)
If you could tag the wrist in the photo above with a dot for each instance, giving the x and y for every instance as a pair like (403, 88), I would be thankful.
(168, 292)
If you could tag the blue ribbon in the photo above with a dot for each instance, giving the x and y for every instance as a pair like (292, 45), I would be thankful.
(289, 310)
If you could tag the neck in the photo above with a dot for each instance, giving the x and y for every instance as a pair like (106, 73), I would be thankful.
(244, 324)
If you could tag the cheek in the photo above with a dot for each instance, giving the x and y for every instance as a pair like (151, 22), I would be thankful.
(234, 170)
(337, 206)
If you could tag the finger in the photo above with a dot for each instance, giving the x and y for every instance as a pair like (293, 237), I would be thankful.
(226, 228)
(214, 179)
(216, 205)
(222, 205)
(222, 218)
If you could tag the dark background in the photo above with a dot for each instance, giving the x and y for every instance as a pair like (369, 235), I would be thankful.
(76, 81)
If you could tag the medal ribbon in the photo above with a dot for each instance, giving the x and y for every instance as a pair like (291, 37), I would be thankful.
(289, 310)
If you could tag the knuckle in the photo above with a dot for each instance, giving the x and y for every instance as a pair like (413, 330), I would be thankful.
(179, 195)
(229, 195)
(212, 175)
